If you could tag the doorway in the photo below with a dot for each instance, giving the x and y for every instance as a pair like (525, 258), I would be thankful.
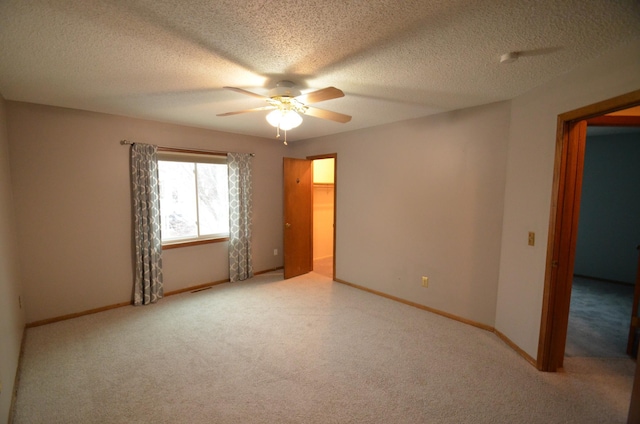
(567, 183)
(323, 215)
(608, 232)
(304, 241)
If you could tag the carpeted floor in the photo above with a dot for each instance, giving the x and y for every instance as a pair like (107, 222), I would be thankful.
(599, 319)
(304, 350)
(324, 266)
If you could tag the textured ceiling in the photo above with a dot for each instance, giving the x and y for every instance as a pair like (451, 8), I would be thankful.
(395, 59)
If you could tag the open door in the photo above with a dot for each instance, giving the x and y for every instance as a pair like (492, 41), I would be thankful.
(298, 223)
(563, 249)
(633, 327)
(563, 224)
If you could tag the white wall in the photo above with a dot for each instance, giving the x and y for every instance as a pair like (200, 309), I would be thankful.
(72, 198)
(11, 316)
(529, 182)
(423, 197)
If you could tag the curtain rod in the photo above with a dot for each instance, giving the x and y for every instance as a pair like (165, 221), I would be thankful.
(131, 143)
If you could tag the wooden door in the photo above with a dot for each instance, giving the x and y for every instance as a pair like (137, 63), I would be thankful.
(633, 333)
(634, 406)
(298, 224)
(555, 318)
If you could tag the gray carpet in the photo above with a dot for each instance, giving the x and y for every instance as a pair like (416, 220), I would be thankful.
(304, 350)
(599, 319)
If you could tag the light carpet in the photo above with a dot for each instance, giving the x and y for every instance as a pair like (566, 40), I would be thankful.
(304, 350)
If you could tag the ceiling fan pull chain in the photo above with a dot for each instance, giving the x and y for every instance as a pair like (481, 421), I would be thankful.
(285, 138)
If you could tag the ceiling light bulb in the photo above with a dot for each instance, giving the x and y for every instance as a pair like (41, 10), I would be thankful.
(290, 120)
(284, 119)
(274, 118)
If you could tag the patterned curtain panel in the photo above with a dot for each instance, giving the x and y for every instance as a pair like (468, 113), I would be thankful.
(146, 211)
(240, 265)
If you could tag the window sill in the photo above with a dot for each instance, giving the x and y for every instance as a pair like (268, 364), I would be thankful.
(187, 243)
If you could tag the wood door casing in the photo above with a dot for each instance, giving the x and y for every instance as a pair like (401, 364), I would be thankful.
(564, 248)
(298, 221)
(556, 297)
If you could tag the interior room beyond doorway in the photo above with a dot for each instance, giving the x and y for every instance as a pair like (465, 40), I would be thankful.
(323, 215)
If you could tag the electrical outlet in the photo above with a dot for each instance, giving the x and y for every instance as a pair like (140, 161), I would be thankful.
(275, 252)
(532, 238)
(425, 281)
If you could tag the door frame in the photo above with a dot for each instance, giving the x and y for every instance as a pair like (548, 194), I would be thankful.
(567, 177)
(333, 156)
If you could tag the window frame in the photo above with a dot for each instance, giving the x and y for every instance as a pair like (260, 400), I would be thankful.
(192, 156)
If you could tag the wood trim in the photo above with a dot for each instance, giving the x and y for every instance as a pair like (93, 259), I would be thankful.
(418, 305)
(634, 311)
(119, 305)
(555, 296)
(196, 288)
(549, 295)
(214, 283)
(325, 156)
(76, 314)
(614, 121)
(479, 325)
(193, 243)
(614, 104)
(515, 347)
(563, 253)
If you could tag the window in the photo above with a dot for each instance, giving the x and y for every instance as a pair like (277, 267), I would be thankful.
(194, 200)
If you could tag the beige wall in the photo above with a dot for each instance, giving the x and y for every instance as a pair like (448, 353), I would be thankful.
(11, 316)
(423, 197)
(72, 199)
(450, 197)
(529, 182)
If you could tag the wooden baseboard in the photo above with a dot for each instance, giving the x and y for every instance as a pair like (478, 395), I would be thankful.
(517, 348)
(502, 337)
(196, 288)
(419, 306)
(119, 305)
(76, 315)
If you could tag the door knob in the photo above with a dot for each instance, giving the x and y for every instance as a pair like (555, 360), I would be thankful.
(287, 225)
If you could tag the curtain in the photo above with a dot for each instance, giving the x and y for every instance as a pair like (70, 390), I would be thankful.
(147, 286)
(240, 264)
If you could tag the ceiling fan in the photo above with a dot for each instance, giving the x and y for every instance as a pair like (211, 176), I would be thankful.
(287, 103)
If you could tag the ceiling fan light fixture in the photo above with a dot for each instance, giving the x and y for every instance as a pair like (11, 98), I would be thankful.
(284, 119)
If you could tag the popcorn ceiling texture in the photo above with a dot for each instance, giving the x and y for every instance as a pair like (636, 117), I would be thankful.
(168, 60)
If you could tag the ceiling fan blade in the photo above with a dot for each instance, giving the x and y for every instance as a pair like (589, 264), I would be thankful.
(255, 109)
(320, 95)
(248, 93)
(327, 114)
